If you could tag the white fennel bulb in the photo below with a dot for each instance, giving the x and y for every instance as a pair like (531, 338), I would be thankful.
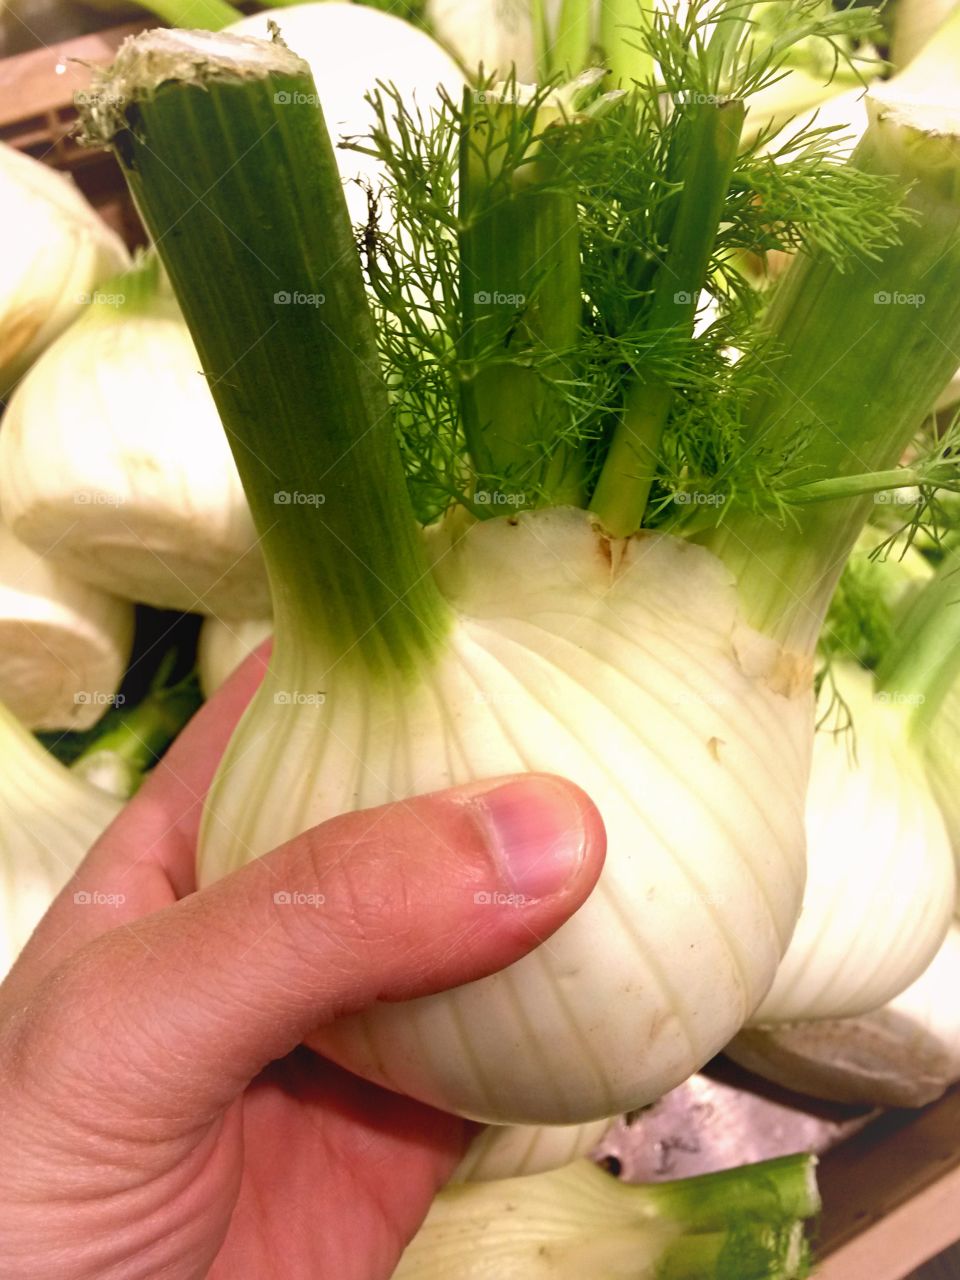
(64, 645)
(625, 665)
(914, 23)
(880, 870)
(49, 818)
(905, 1054)
(350, 48)
(499, 34)
(223, 645)
(519, 1150)
(579, 1223)
(56, 251)
(144, 499)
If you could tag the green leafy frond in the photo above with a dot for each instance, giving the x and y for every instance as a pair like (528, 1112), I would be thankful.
(738, 48)
(802, 195)
(621, 161)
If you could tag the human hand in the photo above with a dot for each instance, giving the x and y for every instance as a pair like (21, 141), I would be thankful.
(158, 1117)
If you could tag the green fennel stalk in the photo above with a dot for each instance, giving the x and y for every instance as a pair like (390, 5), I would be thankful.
(117, 758)
(866, 350)
(745, 1223)
(206, 15)
(310, 421)
(922, 665)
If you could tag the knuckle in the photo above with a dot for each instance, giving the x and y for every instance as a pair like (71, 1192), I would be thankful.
(361, 888)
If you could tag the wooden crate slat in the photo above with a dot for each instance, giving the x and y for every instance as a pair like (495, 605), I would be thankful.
(46, 79)
(887, 1167)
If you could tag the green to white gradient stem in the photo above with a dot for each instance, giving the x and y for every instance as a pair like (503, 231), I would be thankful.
(520, 294)
(570, 47)
(923, 665)
(864, 353)
(576, 1222)
(118, 758)
(224, 146)
(205, 15)
(622, 24)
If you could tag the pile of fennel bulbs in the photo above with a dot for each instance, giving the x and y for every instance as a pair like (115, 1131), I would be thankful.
(145, 501)
(49, 817)
(64, 645)
(57, 252)
(865, 1006)
(881, 881)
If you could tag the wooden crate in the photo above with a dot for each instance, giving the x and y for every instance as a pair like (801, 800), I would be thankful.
(890, 1181)
(37, 116)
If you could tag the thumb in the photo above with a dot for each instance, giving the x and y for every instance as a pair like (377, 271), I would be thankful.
(181, 1009)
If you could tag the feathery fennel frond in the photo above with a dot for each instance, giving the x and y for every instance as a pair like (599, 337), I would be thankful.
(493, 390)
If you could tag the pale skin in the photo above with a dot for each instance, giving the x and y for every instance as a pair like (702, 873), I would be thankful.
(159, 1120)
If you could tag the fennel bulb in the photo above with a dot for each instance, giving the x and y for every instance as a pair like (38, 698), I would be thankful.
(583, 649)
(350, 48)
(64, 645)
(518, 1151)
(224, 645)
(580, 1222)
(499, 34)
(661, 657)
(881, 881)
(144, 499)
(914, 24)
(905, 1054)
(49, 818)
(57, 252)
